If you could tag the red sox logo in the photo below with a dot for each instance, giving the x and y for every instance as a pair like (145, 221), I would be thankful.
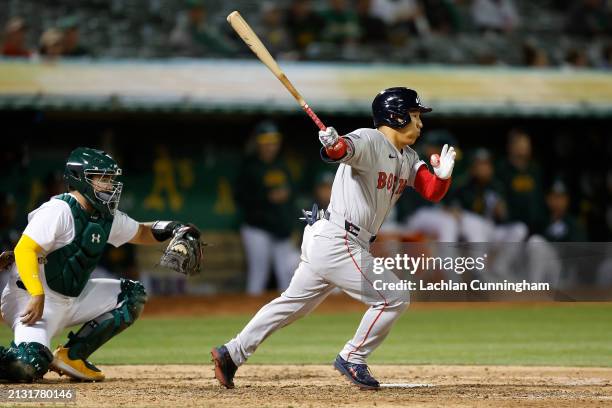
(392, 182)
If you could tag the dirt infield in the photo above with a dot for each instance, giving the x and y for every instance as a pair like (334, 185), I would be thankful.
(321, 386)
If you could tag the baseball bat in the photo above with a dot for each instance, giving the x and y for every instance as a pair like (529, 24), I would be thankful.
(250, 38)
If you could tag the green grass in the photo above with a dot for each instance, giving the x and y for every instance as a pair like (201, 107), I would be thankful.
(570, 335)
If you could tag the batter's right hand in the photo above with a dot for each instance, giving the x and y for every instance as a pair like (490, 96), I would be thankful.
(328, 137)
(34, 310)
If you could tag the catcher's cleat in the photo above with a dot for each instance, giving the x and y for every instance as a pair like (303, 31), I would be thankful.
(78, 369)
(358, 374)
(225, 369)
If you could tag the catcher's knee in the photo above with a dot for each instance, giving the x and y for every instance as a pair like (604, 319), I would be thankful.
(25, 362)
(134, 296)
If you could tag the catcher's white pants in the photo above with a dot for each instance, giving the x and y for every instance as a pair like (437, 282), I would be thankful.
(263, 249)
(99, 296)
(329, 259)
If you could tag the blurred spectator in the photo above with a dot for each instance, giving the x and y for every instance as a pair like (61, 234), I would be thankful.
(481, 193)
(402, 16)
(443, 16)
(272, 30)
(372, 29)
(562, 227)
(265, 194)
(194, 36)
(483, 207)
(52, 44)
(592, 184)
(495, 15)
(323, 188)
(522, 182)
(14, 42)
(465, 20)
(589, 18)
(200, 30)
(534, 56)
(341, 23)
(577, 58)
(305, 26)
(71, 45)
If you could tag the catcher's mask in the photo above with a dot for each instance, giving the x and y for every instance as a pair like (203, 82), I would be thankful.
(93, 173)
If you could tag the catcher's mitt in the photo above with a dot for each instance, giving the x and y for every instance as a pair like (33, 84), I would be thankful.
(7, 258)
(184, 252)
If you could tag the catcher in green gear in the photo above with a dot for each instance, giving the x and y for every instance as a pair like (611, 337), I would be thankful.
(50, 286)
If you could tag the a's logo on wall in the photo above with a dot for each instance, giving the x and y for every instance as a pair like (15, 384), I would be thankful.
(172, 181)
(95, 238)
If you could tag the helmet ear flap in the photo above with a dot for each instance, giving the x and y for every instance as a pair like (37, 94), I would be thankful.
(400, 120)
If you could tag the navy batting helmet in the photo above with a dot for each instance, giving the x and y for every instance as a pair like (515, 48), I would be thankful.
(392, 107)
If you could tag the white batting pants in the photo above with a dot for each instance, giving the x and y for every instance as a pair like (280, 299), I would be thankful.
(476, 228)
(262, 250)
(328, 260)
(436, 222)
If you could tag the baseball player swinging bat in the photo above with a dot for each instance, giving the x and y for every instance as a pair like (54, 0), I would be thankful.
(250, 38)
(375, 166)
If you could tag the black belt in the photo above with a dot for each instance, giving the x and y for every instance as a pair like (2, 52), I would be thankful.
(349, 227)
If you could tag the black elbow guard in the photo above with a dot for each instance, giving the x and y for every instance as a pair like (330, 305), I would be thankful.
(163, 230)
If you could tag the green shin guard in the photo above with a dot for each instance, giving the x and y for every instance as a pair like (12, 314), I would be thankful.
(93, 334)
(25, 362)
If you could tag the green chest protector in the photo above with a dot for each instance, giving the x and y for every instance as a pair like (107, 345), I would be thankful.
(68, 268)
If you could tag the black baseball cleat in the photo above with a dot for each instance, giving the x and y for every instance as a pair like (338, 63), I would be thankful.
(225, 369)
(358, 374)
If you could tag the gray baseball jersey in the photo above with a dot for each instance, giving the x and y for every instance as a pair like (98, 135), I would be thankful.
(371, 178)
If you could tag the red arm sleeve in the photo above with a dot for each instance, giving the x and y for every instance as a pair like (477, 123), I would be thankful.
(429, 186)
(338, 150)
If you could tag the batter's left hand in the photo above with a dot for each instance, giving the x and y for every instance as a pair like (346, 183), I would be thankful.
(447, 162)
(34, 310)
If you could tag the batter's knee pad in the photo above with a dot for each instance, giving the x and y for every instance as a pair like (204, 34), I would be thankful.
(98, 331)
(25, 362)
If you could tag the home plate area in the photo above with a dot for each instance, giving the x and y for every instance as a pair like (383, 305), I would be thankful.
(321, 386)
